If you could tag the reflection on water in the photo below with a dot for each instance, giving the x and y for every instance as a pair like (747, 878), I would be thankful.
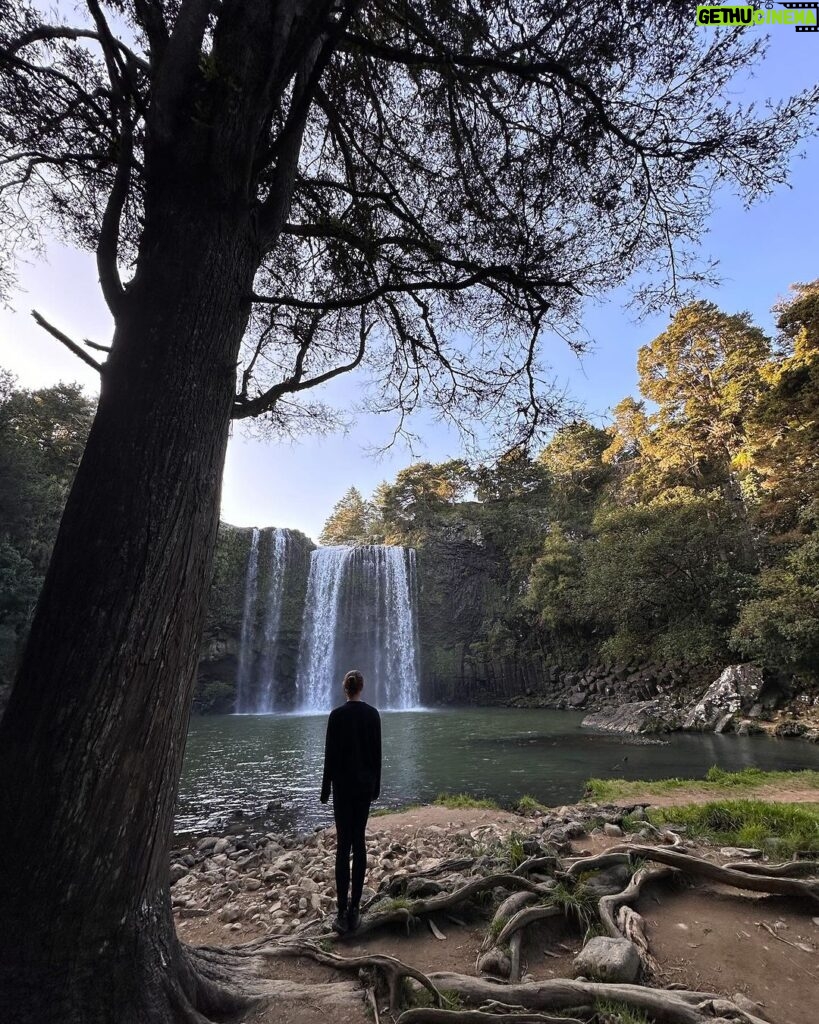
(245, 762)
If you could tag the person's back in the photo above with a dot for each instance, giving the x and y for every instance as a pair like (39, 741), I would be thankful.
(352, 769)
(353, 761)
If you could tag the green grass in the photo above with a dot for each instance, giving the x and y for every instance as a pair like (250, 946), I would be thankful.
(460, 801)
(577, 903)
(612, 1012)
(514, 852)
(716, 781)
(528, 805)
(747, 823)
(395, 903)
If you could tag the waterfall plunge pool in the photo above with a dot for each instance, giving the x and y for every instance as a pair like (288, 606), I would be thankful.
(247, 761)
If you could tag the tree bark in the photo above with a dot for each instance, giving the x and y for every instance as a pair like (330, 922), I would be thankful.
(92, 741)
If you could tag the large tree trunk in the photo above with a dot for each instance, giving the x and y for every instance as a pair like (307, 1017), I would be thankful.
(92, 741)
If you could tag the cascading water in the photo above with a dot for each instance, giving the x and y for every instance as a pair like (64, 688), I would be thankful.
(360, 613)
(245, 669)
(272, 617)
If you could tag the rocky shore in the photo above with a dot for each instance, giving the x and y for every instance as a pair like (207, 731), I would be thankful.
(540, 903)
(652, 700)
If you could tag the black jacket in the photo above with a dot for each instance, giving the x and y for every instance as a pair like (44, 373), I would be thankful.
(352, 752)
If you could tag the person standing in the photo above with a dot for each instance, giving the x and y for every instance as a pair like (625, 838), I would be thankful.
(352, 768)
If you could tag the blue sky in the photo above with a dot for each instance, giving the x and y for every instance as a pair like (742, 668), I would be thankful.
(760, 252)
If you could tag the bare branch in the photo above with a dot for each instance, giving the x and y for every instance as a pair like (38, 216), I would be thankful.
(65, 340)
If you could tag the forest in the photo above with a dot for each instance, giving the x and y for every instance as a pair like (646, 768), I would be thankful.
(683, 531)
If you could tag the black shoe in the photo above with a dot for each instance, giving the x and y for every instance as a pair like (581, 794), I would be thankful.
(353, 919)
(339, 923)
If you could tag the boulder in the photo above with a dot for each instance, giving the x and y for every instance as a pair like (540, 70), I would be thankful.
(607, 959)
(178, 871)
(643, 716)
(736, 691)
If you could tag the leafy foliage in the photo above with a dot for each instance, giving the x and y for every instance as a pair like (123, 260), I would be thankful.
(350, 522)
(42, 434)
(683, 532)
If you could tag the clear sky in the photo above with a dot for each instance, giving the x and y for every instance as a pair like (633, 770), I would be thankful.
(760, 251)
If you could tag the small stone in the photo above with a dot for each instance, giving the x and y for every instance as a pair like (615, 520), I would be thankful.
(252, 884)
(230, 912)
(220, 846)
(178, 871)
(607, 959)
(612, 830)
(207, 843)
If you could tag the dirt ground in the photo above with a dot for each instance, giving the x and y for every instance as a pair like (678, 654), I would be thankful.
(704, 936)
(715, 939)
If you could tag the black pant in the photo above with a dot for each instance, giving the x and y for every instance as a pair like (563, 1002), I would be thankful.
(350, 812)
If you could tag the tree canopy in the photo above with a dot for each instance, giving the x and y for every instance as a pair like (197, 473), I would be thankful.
(410, 174)
(684, 534)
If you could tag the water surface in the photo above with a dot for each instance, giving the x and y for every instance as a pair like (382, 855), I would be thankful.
(244, 762)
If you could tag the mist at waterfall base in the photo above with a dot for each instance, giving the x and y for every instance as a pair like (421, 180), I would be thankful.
(360, 611)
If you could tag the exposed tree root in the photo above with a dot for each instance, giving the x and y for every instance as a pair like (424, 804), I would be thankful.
(429, 1015)
(393, 970)
(548, 861)
(791, 869)
(742, 879)
(499, 1002)
(666, 1006)
(515, 944)
(608, 905)
(411, 909)
(525, 917)
(632, 926)
(599, 862)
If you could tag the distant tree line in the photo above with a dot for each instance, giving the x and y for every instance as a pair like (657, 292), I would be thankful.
(42, 436)
(685, 530)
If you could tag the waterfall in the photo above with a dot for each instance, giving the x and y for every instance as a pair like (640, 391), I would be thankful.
(360, 613)
(272, 618)
(318, 633)
(245, 670)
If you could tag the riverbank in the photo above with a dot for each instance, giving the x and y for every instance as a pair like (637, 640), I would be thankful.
(656, 700)
(708, 936)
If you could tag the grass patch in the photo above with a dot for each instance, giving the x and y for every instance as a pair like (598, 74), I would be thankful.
(795, 827)
(716, 781)
(528, 805)
(460, 801)
(612, 1012)
(514, 853)
(577, 903)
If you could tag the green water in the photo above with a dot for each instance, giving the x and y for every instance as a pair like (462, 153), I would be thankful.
(244, 762)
